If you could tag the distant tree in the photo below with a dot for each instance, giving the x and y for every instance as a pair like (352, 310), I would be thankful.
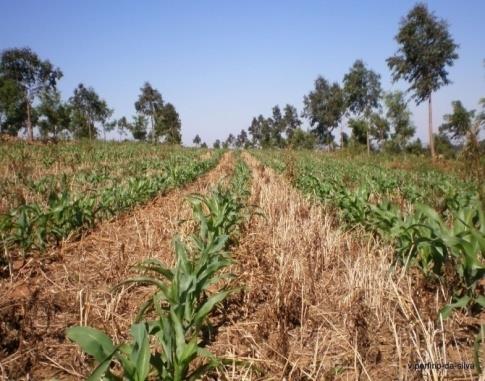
(324, 107)
(13, 109)
(379, 127)
(230, 140)
(54, 115)
(225, 145)
(277, 127)
(203, 145)
(362, 88)
(31, 74)
(150, 104)
(139, 127)
(444, 146)
(415, 147)
(360, 129)
(87, 110)
(426, 48)
(217, 144)
(480, 118)
(290, 120)
(242, 139)
(457, 124)
(400, 119)
(171, 125)
(197, 140)
(301, 139)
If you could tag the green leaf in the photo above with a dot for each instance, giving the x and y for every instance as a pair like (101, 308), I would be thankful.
(92, 341)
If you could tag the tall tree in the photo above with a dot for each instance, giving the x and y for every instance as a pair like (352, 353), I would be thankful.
(32, 74)
(360, 130)
(362, 89)
(13, 110)
(242, 139)
(379, 127)
(400, 119)
(139, 127)
(170, 125)
(459, 123)
(277, 125)
(150, 104)
(54, 115)
(197, 140)
(230, 140)
(88, 109)
(290, 120)
(324, 107)
(426, 49)
(217, 144)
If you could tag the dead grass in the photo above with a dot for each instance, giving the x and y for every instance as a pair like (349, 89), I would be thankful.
(71, 285)
(320, 303)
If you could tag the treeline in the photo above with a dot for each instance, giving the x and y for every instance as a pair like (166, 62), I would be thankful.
(378, 120)
(29, 98)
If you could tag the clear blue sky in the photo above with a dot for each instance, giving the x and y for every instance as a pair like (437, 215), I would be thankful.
(223, 62)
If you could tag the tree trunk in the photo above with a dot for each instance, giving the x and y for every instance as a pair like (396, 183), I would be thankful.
(30, 131)
(368, 142)
(430, 127)
(341, 136)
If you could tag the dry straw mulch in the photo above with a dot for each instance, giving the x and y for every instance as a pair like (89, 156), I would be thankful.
(321, 303)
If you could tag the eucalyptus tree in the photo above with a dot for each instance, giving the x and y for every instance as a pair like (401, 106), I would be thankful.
(139, 127)
(230, 140)
(426, 49)
(150, 105)
(170, 125)
(290, 120)
(217, 144)
(13, 107)
(399, 116)
(324, 107)
(197, 140)
(379, 128)
(362, 88)
(88, 109)
(242, 139)
(277, 127)
(459, 123)
(32, 76)
(54, 114)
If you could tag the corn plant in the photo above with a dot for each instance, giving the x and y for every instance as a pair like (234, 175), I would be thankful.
(179, 308)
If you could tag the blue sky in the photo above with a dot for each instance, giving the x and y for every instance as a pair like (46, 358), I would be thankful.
(223, 62)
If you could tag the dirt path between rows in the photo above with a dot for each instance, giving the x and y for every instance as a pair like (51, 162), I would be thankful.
(70, 285)
(319, 302)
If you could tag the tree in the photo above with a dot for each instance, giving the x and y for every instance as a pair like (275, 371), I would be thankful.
(217, 144)
(139, 127)
(277, 127)
(87, 110)
(242, 139)
(203, 145)
(324, 107)
(457, 124)
(197, 140)
(360, 129)
(31, 74)
(230, 140)
(13, 108)
(301, 139)
(426, 48)
(400, 119)
(171, 125)
(379, 127)
(290, 120)
(54, 115)
(150, 104)
(362, 88)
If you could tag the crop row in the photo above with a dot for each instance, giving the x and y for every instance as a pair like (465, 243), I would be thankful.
(32, 226)
(166, 337)
(451, 240)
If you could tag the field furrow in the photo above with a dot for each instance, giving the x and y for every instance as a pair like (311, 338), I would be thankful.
(320, 302)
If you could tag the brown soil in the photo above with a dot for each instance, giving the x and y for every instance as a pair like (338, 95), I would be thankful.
(70, 285)
(320, 303)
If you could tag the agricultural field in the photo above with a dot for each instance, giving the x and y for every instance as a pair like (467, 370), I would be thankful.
(144, 261)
